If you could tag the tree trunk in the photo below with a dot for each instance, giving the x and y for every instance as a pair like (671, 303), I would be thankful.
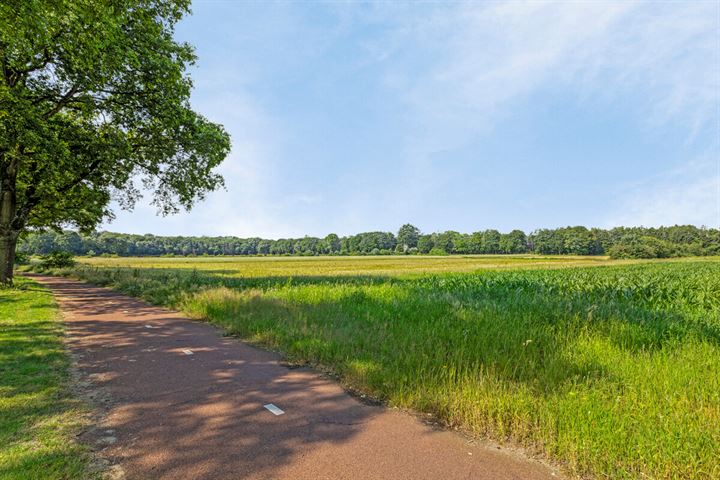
(8, 242)
(9, 230)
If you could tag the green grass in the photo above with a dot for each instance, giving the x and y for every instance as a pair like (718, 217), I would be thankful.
(614, 371)
(38, 417)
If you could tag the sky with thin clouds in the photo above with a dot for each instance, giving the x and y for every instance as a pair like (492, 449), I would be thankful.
(359, 116)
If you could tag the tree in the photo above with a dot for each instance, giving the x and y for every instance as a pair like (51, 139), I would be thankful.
(332, 243)
(513, 242)
(490, 241)
(445, 241)
(577, 241)
(475, 243)
(635, 246)
(548, 242)
(407, 237)
(425, 243)
(94, 97)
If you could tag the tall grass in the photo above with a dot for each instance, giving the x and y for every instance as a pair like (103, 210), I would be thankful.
(613, 371)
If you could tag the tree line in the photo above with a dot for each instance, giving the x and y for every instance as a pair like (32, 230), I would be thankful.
(620, 242)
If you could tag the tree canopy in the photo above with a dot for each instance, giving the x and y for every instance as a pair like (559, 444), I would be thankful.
(95, 106)
(407, 237)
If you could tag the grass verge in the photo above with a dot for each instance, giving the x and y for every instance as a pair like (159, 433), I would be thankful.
(614, 371)
(39, 418)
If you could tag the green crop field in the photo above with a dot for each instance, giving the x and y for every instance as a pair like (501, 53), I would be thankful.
(611, 369)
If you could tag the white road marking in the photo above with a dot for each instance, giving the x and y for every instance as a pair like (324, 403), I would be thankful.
(188, 352)
(150, 326)
(275, 410)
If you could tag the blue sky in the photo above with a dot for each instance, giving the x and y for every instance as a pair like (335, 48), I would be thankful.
(349, 117)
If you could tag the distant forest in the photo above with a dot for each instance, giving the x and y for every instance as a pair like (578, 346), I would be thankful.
(620, 242)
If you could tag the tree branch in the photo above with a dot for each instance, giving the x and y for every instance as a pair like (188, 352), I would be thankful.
(32, 199)
(69, 95)
(82, 177)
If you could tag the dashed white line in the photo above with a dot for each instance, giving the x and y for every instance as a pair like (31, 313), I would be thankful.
(275, 410)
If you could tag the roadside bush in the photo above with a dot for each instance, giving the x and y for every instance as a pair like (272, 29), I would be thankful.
(22, 258)
(57, 260)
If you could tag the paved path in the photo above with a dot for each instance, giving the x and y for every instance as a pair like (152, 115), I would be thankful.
(186, 403)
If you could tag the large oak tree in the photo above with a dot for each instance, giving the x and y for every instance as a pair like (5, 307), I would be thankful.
(94, 106)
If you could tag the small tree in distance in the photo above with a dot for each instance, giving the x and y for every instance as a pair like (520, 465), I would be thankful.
(332, 243)
(407, 237)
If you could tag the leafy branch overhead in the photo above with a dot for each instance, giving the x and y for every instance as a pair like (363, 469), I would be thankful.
(94, 98)
(93, 94)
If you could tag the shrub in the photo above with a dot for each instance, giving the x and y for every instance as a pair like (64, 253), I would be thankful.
(57, 260)
(22, 258)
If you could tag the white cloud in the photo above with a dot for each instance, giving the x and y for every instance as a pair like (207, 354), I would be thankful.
(458, 68)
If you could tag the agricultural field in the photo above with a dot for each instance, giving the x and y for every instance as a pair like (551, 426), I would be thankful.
(611, 369)
(391, 265)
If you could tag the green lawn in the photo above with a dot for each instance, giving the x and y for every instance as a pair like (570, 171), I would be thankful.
(38, 417)
(611, 370)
